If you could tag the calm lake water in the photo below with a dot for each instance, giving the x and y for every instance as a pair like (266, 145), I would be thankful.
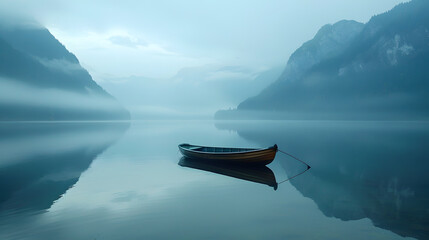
(369, 180)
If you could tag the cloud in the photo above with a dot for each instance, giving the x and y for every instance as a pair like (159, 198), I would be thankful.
(214, 72)
(60, 65)
(136, 43)
(13, 94)
(230, 75)
(127, 41)
(155, 34)
(121, 52)
(110, 41)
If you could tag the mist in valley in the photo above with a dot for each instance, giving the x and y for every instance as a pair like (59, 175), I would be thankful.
(166, 60)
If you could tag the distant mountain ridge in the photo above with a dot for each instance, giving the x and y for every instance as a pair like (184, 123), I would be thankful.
(38, 74)
(354, 71)
(194, 92)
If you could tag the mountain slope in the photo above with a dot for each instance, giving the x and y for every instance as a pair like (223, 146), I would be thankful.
(379, 73)
(41, 80)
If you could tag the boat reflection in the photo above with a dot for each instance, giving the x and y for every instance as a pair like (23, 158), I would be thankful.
(257, 174)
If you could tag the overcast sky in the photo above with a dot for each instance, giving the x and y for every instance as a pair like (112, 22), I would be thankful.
(157, 38)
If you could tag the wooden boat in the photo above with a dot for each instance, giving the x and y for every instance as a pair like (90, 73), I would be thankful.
(247, 156)
(257, 174)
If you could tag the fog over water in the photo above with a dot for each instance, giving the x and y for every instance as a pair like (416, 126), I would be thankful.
(153, 42)
(13, 93)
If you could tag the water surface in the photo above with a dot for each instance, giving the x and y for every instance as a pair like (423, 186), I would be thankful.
(122, 181)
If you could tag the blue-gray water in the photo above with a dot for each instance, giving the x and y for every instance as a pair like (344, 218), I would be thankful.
(369, 180)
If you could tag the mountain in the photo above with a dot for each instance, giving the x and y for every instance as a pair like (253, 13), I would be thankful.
(41, 80)
(354, 71)
(194, 92)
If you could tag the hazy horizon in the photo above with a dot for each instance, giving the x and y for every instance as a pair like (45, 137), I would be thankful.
(153, 43)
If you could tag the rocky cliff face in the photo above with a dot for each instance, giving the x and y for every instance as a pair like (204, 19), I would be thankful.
(41, 80)
(330, 41)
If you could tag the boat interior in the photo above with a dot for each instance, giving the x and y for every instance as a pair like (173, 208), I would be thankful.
(218, 149)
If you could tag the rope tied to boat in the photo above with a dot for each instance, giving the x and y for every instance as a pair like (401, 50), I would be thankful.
(290, 155)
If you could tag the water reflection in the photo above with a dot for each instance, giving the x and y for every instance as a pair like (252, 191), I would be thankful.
(136, 188)
(257, 174)
(375, 170)
(39, 162)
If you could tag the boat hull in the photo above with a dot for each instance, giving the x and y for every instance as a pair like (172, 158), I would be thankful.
(230, 155)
